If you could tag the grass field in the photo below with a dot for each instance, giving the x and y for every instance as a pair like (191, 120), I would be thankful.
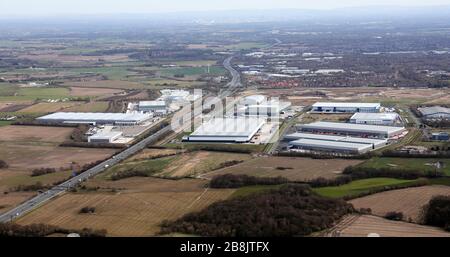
(409, 201)
(361, 186)
(192, 71)
(177, 166)
(48, 107)
(5, 123)
(21, 94)
(36, 134)
(88, 107)
(108, 84)
(245, 191)
(416, 164)
(292, 168)
(136, 210)
(245, 46)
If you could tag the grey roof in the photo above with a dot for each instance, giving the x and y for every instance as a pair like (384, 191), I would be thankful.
(106, 135)
(375, 116)
(356, 140)
(152, 104)
(348, 105)
(229, 127)
(434, 110)
(331, 145)
(87, 116)
(351, 127)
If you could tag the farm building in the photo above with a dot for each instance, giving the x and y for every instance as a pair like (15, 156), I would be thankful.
(376, 143)
(435, 112)
(331, 146)
(382, 118)
(349, 129)
(231, 130)
(107, 137)
(330, 107)
(152, 106)
(126, 119)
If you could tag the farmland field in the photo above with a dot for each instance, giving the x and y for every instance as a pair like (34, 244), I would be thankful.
(361, 186)
(421, 164)
(111, 84)
(361, 226)
(27, 134)
(409, 201)
(136, 210)
(88, 107)
(178, 166)
(21, 94)
(80, 91)
(294, 169)
(48, 107)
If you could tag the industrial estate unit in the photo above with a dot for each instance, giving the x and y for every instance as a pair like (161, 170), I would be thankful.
(331, 107)
(123, 119)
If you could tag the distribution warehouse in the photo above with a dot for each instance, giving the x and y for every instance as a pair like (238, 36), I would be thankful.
(349, 129)
(232, 130)
(127, 119)
(330, 107)
(382, 118)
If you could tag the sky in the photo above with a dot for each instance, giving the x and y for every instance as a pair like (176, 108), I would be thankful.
(58, 7)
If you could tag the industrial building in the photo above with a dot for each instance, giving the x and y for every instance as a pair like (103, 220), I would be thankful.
(153, 106)
(349, 129)
(357, 140)
(254, 100)
(272, 108)
(435, 112)
(120, 119)
(106, 137)
(331, 107)
(440, 136)
(227, 130)
(330, 146)
(382, 118)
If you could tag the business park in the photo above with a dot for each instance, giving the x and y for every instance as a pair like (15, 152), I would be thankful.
(367, 130)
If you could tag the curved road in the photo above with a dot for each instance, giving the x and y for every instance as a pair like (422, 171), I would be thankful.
(73, 182)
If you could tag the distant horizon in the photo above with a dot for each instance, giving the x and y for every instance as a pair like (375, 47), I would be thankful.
(55, 8)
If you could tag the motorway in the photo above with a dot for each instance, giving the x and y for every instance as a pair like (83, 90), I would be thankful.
(44, 197)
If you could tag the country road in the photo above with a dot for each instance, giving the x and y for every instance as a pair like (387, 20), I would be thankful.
(44, 197)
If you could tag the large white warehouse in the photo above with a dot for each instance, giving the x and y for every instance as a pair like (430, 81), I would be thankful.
(94, 118)
(332, 107)
(382, 118)
(330, 146)
(376, 143)
(230, 130)
(349, 129)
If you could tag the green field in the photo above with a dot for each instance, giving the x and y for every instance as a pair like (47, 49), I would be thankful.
(244, 191)
(413, 164)
(193, 71)
(113, 73)
(20, 94)
(245, 46)
(5, 123)
(361, 186)
(26, 179)
(150, 167)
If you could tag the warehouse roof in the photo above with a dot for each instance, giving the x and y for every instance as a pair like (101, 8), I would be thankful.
(351, 127)
(228, 129)
(375, 116)
(433, 110)
(339, 104)
(356, 140)
(87, 116)
(331, 145)
(151, 103)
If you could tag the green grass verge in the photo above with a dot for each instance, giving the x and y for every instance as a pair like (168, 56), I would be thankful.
(34, 93)
(361, 186)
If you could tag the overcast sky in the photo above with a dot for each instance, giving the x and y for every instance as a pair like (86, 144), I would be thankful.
(57, 7)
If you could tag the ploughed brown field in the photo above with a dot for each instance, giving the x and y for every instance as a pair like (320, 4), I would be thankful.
(362, 226)
(136, 209)
(34, 133)
(409, 201)
(292, 168)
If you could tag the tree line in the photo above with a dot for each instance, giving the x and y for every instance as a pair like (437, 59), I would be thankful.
(292, 210)
(41, 230)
